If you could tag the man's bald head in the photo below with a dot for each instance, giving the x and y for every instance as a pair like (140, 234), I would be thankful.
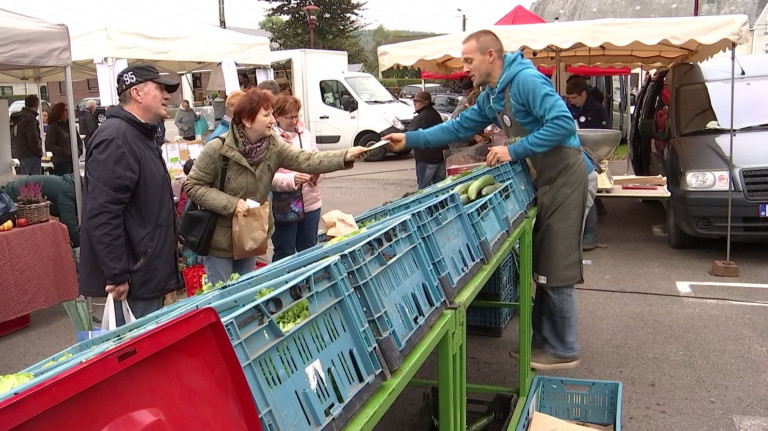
(486, 40)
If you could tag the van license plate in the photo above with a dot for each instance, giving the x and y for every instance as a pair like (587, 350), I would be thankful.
(763, 210)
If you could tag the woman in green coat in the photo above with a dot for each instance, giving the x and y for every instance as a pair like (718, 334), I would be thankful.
(255, 153)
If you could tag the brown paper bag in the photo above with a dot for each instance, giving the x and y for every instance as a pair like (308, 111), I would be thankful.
(250, 233)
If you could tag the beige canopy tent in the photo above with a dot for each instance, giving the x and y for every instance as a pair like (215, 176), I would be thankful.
(31, 48)
(647, 42)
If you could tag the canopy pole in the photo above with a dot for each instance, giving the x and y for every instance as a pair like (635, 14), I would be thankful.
(73, 143)
(730, 151)
(627, 110)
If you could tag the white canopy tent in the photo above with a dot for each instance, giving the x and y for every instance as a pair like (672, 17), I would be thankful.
(646, 42)
(29, 49)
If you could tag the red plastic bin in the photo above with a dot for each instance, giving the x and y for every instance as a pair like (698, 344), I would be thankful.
(183, 375)
(193, 278)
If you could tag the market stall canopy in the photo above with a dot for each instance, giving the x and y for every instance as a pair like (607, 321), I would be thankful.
(648, 42)
(22, 56)
(171, 48)
(520, 15)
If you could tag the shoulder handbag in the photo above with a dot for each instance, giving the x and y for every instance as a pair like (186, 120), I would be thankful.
(288, 207)
(197, 223)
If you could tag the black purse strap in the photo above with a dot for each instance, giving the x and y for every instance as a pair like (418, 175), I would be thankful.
(301, 145)
(224, 167)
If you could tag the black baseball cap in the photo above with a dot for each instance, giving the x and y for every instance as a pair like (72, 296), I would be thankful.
(138, 73)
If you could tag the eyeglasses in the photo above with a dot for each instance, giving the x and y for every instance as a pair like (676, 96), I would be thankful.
(292, 117)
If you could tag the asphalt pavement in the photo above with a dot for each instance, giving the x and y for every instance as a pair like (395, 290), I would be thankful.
(689, 348)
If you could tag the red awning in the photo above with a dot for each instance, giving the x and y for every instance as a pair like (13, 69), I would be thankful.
(520, 15)
(588, 70)
(454, 75)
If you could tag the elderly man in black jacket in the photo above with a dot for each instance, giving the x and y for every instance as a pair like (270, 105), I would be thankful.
(25, 136)
(128, 231)
(430, 165)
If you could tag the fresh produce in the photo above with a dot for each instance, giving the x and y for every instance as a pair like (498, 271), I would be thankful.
(490, 189)
(10, 381)
(207, 287)
(462, 188)
(474, 190)
(264, 292)
(22, 222)
(51, 362)
(293, 316)
(6, 226)
(343, 237)
(464, 199)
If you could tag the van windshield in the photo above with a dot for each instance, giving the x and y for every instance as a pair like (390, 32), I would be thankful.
(369, 89)
(707, 106)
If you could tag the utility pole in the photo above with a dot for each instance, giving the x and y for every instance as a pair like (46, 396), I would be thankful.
(695, 7)
(222, 21)
(463, 19)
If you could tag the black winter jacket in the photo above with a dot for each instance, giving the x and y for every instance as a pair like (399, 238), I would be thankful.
(427, 117)
(25, 135)
(57, 142)
(128, 230)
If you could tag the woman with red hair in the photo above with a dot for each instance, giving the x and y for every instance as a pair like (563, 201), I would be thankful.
(254, 152)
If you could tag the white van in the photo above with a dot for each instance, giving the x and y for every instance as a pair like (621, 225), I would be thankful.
(341, 108)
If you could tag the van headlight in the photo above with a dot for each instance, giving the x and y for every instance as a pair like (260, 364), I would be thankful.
(706, 180)
(392, 120)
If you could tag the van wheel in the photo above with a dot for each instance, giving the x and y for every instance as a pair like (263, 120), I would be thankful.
(375, 155)
(677, 237)
(405, 152)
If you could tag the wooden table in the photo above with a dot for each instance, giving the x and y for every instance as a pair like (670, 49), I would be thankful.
(38, 269)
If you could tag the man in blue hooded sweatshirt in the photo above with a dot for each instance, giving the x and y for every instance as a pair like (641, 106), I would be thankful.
(540, 128)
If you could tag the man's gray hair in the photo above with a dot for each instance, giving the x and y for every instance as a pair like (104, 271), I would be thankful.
(91, 104)
(125, 96)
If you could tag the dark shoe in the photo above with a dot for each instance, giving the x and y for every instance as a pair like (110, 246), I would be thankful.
(515, 353)
(543, 360)
(586, 246)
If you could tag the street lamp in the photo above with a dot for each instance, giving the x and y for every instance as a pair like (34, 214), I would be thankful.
(463, 19)
(312, 12)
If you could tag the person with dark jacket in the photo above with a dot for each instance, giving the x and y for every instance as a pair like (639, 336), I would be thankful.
(57, 140)
(128, 231)
(89, 120)
(430, 165)
(185, 121)
(25, 136)
(587, 111)
(60, 191)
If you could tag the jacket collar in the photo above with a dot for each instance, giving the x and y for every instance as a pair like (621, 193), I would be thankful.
(230, 150)
(147, 130)
(29, 111)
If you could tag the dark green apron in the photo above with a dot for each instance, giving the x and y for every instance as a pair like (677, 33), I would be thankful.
(561, 189)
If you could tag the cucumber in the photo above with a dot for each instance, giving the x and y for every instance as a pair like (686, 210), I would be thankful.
(490, 189)
(462, 188)
(477, 186)
(464, 199)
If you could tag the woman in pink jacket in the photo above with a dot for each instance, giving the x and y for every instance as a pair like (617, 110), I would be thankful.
(295, 196)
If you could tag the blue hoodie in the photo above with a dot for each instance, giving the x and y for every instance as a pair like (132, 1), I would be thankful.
(536, 106)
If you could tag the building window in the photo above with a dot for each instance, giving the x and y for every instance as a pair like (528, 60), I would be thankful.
(711, 2)
(197, 81)
(6, 90)
(93, 84)
(62, 87)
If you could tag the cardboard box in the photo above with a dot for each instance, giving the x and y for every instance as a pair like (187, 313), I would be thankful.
(544, 422)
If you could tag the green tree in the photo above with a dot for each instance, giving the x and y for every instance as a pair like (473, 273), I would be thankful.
(274, 25)
(333, 29)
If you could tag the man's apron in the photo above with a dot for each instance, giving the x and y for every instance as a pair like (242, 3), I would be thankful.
(561, 186)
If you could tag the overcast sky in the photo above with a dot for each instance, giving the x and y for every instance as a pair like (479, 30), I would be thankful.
(439, 16)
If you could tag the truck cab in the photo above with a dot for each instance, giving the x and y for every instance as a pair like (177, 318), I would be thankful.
(341, 108)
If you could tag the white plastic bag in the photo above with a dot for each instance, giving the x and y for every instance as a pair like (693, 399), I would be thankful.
(109, 319)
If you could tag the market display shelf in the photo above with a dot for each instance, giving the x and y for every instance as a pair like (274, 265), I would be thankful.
(313, 375)
(392, 276)
(490, 220)
(591, 401)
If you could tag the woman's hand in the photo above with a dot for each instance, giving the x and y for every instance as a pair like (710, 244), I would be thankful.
(241, 208)
(300, 178)
(355, 153)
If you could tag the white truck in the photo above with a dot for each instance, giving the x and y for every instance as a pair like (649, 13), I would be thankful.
(341, 108)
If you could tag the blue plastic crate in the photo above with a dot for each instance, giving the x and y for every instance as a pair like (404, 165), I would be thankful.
(503, 279)
(492, 320)
(389, 270)
(316, 374)
(522, 185)
(490, 220)
(592, 401)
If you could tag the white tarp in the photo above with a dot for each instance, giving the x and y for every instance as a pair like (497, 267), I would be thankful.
(28, 43)
(648, 42)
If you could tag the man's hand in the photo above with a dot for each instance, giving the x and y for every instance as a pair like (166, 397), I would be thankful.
(498, 155)
(300, 178)
(241, 208)
(355, 153)
(396, 141)
(118, 291)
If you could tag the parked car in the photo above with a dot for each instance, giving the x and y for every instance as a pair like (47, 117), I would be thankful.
(101, 111)
(446, 103)
(18, 105)
(694, 154)
(410, 90)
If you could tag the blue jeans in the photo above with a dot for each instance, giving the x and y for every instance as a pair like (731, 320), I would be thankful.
(220, 268)
(30, 166)
(291, 238)
(139, 308)
(554, 321)
(429, 173)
